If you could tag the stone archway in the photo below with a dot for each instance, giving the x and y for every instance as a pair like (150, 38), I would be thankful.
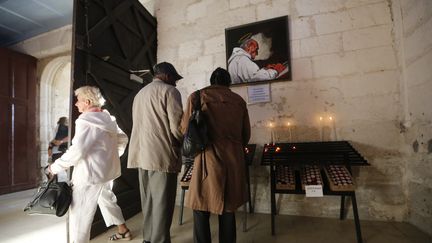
(54, 100)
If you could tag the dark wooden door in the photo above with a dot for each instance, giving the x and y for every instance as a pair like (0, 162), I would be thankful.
(18, 164)
(115, 45)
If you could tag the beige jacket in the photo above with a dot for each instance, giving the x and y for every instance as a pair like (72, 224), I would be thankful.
(156, 139)
(219, 184)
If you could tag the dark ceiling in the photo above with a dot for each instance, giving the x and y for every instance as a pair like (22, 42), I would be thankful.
(23, 19)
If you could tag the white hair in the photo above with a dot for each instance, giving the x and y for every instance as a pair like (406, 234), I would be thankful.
(91, 94)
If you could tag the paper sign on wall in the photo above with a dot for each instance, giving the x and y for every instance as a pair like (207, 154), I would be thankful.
(258, 93)
(314, 191)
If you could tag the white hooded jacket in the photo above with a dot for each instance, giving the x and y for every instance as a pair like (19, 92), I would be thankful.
(94, 152)
(242, 69)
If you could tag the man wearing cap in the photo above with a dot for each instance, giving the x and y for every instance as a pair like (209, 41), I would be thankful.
(154, 149)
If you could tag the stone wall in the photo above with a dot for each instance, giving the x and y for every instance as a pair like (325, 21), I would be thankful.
(414, 21)
(345, 64)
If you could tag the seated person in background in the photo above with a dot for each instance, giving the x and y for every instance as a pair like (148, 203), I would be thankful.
(58, 145)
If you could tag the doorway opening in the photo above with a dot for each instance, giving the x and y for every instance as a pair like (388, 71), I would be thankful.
(54, 100)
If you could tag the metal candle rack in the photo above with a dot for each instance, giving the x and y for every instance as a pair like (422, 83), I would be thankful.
(320, 154)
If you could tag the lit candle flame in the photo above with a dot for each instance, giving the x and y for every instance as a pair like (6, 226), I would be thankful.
(271, 132)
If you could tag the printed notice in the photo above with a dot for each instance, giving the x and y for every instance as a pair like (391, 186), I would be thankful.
(258, 93)
(314, 191)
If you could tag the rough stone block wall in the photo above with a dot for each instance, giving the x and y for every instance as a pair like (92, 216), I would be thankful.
(344, 65)
(416, 36)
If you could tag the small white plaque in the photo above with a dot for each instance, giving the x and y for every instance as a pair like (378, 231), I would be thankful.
(258, 93)
(314, 191)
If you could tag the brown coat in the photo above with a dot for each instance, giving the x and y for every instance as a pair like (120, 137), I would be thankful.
(224, 187)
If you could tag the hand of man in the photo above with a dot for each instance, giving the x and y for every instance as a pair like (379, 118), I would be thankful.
(270, 66)
(278, 67)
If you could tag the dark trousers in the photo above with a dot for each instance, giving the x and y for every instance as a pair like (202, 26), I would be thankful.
(227, 227)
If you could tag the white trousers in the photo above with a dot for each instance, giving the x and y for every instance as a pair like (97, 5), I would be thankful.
(85, 199)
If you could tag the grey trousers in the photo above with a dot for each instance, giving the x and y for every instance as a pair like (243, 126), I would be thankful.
(158, 193)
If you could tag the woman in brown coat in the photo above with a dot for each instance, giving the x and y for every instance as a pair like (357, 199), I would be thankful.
(218, 182)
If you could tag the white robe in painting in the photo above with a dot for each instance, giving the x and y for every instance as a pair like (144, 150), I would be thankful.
(242, 69)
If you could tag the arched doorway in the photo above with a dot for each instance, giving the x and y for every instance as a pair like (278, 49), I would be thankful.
(54, 100)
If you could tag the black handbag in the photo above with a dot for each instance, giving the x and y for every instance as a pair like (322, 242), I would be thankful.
(196, 137)
(51, 198)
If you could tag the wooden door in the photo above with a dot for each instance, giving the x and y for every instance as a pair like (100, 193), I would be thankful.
(18, 165)
(115, 45)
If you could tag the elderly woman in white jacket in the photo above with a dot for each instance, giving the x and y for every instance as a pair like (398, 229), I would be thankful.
(95, 156)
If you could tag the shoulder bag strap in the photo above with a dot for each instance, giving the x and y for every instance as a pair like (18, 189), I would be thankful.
(197, 104)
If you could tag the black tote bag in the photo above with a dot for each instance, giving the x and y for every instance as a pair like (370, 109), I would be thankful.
(51, 198)
(196, 137)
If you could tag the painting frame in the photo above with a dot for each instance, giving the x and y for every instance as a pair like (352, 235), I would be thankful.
(272, 62)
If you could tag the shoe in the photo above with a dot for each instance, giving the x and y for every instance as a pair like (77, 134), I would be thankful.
(118, 236)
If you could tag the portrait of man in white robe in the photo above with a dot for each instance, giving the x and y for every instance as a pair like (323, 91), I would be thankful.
(258, 56)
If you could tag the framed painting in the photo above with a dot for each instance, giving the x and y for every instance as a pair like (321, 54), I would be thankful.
(259, 52)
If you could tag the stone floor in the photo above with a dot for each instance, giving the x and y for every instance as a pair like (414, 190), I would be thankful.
(17, 227)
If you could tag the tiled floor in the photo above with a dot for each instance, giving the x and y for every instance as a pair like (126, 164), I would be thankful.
(17, 227)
